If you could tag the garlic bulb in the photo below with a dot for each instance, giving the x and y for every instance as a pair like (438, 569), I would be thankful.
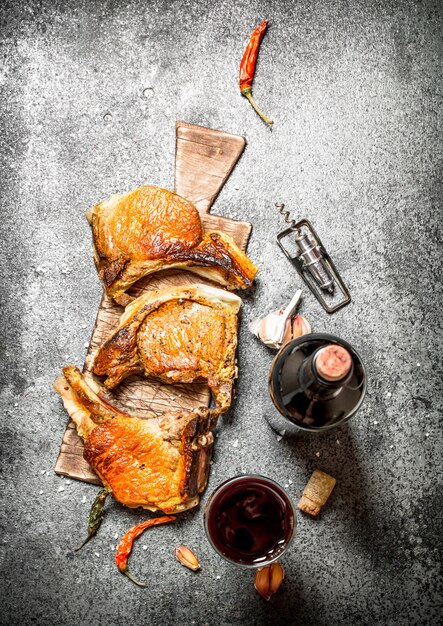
(279, 327)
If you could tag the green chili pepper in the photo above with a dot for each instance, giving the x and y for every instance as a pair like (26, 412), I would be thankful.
(95, 515)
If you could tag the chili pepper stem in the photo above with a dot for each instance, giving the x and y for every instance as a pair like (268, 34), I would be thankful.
(124, 570)
(247, 93)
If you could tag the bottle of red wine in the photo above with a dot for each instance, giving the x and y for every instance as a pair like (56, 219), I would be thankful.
(316, 382)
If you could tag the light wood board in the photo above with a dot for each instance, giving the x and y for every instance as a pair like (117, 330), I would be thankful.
(204, 160)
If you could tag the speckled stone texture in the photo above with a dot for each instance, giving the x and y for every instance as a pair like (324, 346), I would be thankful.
(90, 92)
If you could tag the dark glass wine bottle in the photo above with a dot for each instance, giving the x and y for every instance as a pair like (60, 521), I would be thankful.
(316, 382)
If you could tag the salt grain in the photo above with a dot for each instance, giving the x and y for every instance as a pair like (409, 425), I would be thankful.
(41, 492)
(235, 444)
(427, 435)
(97, 553)
(144, 547)
(68, 482)
(279, 437)
(218, 577)
(61, 488)
(42, 472)
(317, 454)
(375, 423)
(84, 500)
(86, 345)
(338, 441)
(391, 447)
(389, 394)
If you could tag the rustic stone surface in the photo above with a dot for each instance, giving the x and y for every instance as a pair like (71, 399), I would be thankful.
(90, 95)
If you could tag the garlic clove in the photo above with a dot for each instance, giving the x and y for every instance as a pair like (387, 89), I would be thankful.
(268, 329)
(254, 326)
(187, 558)
(299, 327)
(277, 576)
(279, 327)
(268, 579)
(262, 580)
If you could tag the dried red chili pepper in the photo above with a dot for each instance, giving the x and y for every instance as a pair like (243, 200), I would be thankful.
(247, 67)
(125, 546)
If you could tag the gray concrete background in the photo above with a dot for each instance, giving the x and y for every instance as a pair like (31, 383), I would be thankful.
(355, 91)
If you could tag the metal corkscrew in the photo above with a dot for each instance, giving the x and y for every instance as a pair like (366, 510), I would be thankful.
(312, 262)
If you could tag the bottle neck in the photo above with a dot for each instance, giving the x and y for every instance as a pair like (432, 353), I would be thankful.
(326, 386)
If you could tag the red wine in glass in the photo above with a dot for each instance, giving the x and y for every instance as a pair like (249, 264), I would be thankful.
(250, 520)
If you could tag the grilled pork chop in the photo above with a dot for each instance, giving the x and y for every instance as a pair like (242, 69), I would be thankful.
(158, 463)
(152, 229)
(187, 334)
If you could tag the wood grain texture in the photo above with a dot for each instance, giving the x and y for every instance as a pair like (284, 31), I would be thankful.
(204, 160)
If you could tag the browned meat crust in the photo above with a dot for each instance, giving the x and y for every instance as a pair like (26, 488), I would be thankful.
(152, 229)
(159, 463)
(186, 335)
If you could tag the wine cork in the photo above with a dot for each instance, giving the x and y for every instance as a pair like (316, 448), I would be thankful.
(316, 493)
(333, 362)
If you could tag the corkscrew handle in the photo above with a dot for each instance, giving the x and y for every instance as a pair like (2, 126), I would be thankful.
(310, 254)
(312, 261)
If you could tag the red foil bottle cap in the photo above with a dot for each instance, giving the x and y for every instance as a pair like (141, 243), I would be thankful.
(333, 362)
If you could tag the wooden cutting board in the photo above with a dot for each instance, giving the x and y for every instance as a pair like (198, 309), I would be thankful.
(204, 159)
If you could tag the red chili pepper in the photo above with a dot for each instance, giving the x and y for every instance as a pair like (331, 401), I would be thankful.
(247, 67)
(125, 546)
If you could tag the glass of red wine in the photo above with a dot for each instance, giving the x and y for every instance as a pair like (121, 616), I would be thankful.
(250, 520)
